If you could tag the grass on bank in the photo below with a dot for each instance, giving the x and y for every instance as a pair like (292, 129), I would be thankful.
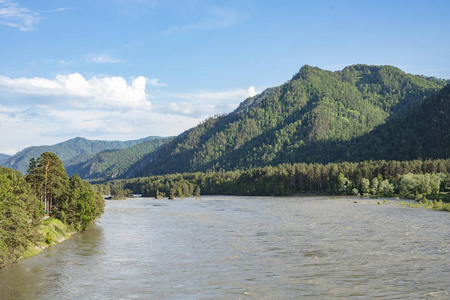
(427, 204)
(436, 204)
(52, 231)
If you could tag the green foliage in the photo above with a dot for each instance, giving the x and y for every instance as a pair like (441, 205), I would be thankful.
(427, 204)
(386, 189)
(54, 231)
(118, 193)
(411, 185)
(374, 186)
(22, 204)
(423, 132)
(81, 205)
(20, 214)
(73, 201)
(388, 179)
(343, 184)
(446, 207)
(48, 178)
(365, 186)
(49, 239)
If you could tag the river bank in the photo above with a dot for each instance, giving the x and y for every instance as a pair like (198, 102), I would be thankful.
(52, 232)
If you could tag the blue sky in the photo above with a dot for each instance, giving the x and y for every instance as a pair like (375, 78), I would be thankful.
(126, 69)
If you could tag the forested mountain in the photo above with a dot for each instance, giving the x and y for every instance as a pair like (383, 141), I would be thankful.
(317, 116)
(110, 164)
(4, 157)
(67, 150)
(422, 133)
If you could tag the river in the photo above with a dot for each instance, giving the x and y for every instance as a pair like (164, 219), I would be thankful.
(218, 247)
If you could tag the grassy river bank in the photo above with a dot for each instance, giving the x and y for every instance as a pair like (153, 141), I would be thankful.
(52, 232)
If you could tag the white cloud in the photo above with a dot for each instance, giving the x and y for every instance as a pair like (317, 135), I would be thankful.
(104, 59)
(186, 108)
(11, 14)
(203, 103)
(154, 82)
(251, 91)
(115, 123)
(230, 95)
(219, 19)
(75, 90)
(14, 15)
(62, 62)
(10, 151)
(56, 10)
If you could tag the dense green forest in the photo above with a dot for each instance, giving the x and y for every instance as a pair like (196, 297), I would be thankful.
(417, 179)
(112, 164)
(422, 133)
(18, 205)
(46, 189)
(73, 151)
(316, 117)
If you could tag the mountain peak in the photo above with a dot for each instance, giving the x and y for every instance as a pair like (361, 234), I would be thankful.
(307, 119)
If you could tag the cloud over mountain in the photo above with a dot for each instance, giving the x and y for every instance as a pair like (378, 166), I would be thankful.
(204, 103)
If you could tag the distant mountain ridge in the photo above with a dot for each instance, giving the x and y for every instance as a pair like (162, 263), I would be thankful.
(81, 147)
(111, 164)
(4, 157)
(312, 118)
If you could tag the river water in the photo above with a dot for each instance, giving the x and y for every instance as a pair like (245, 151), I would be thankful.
(244, 248)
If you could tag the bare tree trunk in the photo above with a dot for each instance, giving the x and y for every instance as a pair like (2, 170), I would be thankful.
(45, 187)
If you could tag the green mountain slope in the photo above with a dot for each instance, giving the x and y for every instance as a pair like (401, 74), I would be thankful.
(310, 118)
(66, 150)
(422, 133)
(110, 164)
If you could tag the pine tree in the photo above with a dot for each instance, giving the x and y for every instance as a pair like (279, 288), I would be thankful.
(49, 179)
